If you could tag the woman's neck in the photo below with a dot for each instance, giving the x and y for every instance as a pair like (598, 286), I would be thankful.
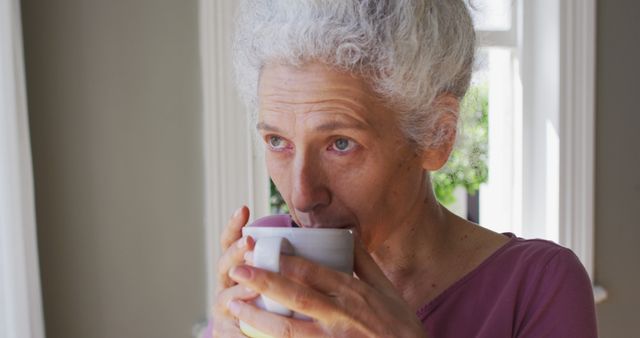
(431, 249)
(417, 245)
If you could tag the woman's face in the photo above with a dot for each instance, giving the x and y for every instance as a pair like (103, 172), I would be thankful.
(336, 153)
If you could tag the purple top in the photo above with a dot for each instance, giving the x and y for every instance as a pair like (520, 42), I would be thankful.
(527, 288)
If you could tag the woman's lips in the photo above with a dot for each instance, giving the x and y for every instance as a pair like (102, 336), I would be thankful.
(305, 220)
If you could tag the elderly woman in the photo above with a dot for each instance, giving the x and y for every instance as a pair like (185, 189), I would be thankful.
(356, 102)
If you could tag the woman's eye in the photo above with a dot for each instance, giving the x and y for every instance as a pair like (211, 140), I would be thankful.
(343, 145)
(276, 142)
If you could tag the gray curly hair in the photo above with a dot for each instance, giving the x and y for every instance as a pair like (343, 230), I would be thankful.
(409, 51)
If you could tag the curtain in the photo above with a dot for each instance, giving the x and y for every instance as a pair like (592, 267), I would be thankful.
(20, 297)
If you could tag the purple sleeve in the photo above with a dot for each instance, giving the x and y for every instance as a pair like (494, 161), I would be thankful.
(561, 301)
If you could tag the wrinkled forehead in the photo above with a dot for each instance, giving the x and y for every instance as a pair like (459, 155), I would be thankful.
(312, 82)
(317, 91)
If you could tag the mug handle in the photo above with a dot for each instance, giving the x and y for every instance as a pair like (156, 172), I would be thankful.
(266, 255)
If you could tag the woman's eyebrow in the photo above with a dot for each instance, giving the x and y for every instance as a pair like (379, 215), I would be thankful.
(327, 126)
(261, 126)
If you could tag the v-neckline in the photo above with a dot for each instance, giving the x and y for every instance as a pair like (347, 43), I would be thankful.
(433, 303)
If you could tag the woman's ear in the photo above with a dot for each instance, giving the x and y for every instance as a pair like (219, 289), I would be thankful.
(447, 107)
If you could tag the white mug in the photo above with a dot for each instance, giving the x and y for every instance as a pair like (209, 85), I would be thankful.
(332, 248)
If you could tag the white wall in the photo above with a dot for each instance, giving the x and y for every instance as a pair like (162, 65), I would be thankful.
(618, 167)
(115, 113)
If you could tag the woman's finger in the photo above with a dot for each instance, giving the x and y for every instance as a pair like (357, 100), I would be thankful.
(226, 329)
(351, 298)
(272, 324)
(224, 323)
(295, 296)
(233, 231)
(305, 272)
(229, 294)
(234, 255)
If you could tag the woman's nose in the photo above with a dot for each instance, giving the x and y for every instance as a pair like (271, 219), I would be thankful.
(310, 192)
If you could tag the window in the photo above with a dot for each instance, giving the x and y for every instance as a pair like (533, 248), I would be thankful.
(500, 200)
(537, 59)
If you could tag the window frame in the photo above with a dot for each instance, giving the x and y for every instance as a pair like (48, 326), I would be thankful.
(235, 174)
(570, 53)
(577, 125)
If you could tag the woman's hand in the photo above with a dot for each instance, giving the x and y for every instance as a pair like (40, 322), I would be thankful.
(341, 306)
(234, 246)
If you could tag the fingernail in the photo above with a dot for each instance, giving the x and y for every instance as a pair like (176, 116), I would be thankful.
(234, 307)
(240, 272)
(237, 212)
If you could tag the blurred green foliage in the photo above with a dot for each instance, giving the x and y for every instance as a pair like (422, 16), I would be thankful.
(278, 205)
(467, 165)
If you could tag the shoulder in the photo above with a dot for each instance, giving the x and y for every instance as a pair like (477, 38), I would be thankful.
(526, 288)
(537, 253)
(540, 266)
(556, 291)
(544, 264)
(533, 247)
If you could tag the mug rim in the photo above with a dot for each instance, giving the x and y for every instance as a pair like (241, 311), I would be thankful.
(292, 229)
(336, 237)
